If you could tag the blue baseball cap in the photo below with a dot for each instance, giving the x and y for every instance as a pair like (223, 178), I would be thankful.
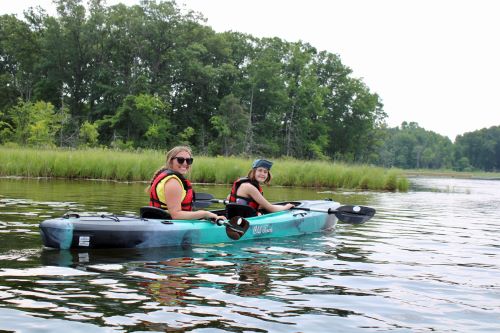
(262, 164)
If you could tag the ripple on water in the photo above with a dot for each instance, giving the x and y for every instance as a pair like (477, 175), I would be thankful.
(44, 271)
(427, 261)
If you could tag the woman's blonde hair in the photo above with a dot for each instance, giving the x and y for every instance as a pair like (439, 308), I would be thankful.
(251, 176)
(173, 153)
(168, 162)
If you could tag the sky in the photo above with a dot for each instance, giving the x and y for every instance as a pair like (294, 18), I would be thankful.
(433, 62)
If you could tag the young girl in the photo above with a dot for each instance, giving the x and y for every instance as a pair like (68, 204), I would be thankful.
(248, 190)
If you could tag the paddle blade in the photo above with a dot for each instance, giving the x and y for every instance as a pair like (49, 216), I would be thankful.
(203, 196)
(201, 204)
(354, 214)
(202, 200)
(236, 227)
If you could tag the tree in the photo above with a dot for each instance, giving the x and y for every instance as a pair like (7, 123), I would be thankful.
(229, 122)
(19, 55)
(31, 124)
(413, 147)
(75, 59)
(305, 134)
(88, 135)
(266, 96)
(481, 148)
(150, 75)
(141, 119)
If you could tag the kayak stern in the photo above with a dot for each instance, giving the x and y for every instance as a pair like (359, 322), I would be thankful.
(57, 233)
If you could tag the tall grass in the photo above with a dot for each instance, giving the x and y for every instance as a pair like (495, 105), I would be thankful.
(139, 166)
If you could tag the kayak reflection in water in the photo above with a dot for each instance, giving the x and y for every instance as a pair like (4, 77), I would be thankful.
(170, 190)
(248, 190)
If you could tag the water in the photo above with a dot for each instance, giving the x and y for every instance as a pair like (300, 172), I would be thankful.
(428, 261)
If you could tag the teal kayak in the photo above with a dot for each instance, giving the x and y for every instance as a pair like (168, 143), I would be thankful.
(112, 231)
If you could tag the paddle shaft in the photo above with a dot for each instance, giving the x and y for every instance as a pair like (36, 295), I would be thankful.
(225, 202)
(347, 214)
(327, 211)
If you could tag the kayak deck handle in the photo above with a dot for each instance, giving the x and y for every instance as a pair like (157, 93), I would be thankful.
(71, 215)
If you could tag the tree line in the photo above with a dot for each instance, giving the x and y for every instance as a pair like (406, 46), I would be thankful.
(153, 76)
(412, 147)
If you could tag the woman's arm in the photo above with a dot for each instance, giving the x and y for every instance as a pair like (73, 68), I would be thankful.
(173, 199)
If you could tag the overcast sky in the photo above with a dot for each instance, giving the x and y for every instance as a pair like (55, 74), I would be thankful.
(434, 62)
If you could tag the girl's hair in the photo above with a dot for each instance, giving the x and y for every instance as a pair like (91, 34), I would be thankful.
(251, 176)
(168, 162)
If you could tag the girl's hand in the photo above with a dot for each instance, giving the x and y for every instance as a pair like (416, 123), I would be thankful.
(289, 206)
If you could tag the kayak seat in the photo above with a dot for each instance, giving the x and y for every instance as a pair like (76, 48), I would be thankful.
(148, 212)
(234, 209)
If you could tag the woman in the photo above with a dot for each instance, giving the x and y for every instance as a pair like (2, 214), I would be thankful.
(170, 189)
(248, 190)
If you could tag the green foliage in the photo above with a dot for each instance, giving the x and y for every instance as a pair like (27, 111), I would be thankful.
(27, 123)
(150, 76)
(479, 149)
(230, 123)
(186, 136)
(6, 129)
(413, 147)
(20, 55)
(140, 120)
(463, 164)
(88, 135)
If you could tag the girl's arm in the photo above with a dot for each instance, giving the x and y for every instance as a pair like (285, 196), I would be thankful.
(248, 190)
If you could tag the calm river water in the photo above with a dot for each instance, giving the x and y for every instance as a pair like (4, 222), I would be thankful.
(428, 261)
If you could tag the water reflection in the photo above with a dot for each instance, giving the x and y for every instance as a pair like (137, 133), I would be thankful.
(253, 280)
(170, 288)
(428, 254)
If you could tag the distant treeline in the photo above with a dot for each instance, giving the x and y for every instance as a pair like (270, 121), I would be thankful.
(412, 147)
(153, 76)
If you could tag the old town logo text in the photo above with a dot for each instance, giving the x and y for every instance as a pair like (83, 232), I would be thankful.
(262, 229)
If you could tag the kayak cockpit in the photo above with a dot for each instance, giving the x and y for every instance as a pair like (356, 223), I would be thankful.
(148, 212)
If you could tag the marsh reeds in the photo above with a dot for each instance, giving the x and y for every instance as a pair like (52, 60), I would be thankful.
(111, 164)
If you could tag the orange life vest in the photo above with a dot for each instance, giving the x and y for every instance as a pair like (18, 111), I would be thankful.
(233, 197)
(187, 202)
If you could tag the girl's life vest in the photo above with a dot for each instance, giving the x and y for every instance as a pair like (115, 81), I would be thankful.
(156, 192)
(233, 197)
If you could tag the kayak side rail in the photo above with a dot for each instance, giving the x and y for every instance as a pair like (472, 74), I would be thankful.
(72, 215)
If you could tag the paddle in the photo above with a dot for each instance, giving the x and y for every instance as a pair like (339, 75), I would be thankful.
(203, 200)
(235, 228)
(347, 214)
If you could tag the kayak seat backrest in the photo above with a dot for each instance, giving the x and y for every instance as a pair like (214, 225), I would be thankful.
(234, 209)
(148, 212)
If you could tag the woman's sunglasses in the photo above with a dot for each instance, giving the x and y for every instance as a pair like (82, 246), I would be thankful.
(181, 160)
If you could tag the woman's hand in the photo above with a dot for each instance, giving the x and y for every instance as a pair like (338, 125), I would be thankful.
(289, 206)
(214, 217)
